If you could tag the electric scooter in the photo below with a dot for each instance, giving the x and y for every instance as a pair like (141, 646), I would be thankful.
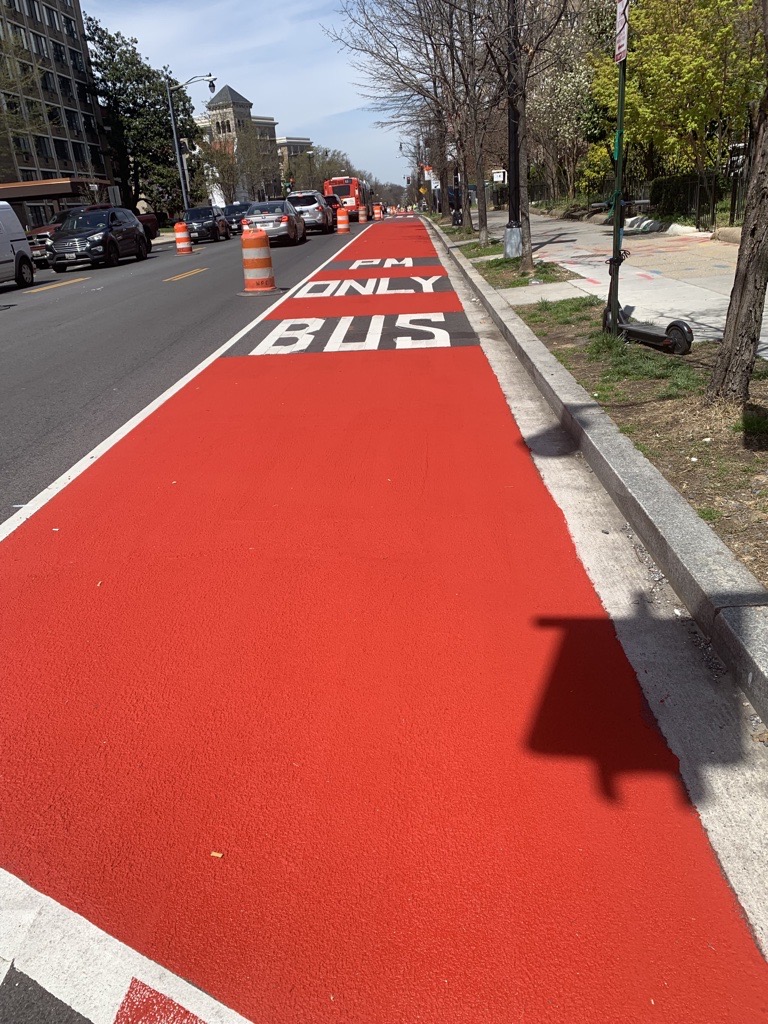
(676, 338)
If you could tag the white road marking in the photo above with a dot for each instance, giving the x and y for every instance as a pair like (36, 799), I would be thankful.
(80, 964)
(41, 499)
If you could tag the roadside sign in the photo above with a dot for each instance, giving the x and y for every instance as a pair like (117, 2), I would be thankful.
(622, 30)
(423, 190)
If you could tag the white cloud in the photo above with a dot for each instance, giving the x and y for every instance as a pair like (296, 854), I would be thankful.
(286, 66)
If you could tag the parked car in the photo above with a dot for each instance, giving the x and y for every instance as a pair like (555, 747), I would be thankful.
(234, 214)
(95, 237)
(314, 209)
(15, 255)
(279, 219)
(334, 202)
(206, 223)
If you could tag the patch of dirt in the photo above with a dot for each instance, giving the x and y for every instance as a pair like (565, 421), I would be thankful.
(706, 452)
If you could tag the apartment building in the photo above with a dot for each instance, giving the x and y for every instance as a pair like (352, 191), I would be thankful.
(59, 164)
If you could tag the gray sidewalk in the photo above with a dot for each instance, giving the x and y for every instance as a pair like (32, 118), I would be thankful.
(682, 276)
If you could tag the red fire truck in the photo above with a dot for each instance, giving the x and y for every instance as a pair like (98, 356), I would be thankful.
(354, 193)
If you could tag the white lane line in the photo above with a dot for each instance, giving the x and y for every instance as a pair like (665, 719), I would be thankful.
(80, 964)
(41, 499)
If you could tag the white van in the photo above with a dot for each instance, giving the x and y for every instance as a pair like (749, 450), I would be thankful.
(15, 255)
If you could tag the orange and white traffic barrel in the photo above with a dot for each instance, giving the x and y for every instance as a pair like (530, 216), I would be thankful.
(257, 263)
(183, 241)
(377, 211)
(362, 216)
(342, 221)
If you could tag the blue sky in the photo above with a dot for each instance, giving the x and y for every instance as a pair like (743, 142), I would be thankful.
(275, 55)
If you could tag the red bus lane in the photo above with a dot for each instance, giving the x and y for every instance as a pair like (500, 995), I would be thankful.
(308, 700)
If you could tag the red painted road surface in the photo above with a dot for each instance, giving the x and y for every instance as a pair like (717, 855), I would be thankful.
(320, 615)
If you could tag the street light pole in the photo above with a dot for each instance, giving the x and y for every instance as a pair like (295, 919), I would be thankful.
(513, 238)
(170, 89)
(310, 154)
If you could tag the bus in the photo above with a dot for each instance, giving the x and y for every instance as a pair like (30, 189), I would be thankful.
(354, 193)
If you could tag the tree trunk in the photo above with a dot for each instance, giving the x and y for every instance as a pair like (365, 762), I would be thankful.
(736, 359)
(482, 209)
(526, 259)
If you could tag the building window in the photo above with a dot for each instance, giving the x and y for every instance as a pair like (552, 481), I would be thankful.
(43, 147)
(49, 174)
(48, 82)
(52, 18)
(54, 117)
(13, 5)
(27, 174)
(33, 10)
(39, 44)
(83, 95)
(21, 36)
(89, 124)
(80, 154)
(59, 54)
(218, 127)
(97, 159)
(70, 28)
(38, 215)
(73, 120)
(61, 147)
(77, 60)
(228, 127)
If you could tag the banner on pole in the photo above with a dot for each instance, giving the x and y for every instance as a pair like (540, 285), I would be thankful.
(622, 30)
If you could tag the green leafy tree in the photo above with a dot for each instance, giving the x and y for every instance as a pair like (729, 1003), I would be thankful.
(137, 119)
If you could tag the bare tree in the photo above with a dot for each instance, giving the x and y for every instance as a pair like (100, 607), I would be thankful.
(257, 162)
(221, 166)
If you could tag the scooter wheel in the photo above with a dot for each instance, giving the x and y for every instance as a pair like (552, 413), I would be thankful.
(681, 337)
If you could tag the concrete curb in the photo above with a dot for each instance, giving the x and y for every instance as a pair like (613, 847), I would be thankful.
(726, 601)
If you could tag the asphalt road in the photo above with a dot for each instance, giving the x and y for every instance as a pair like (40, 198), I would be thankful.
(85, 351)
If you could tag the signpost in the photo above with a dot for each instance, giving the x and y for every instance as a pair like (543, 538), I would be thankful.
(620, 57)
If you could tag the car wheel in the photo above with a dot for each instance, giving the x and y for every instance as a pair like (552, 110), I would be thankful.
(149, 246)
(228, 235)
(113, 255)
(216, 235)
(303, 238)
(25, 273)
(141, 250)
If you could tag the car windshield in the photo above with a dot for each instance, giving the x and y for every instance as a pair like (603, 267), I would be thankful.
(262, 208)
(333, 200)
(86, 221)
(235, 208)
(306, 199)
(341, 190)
(198, 213)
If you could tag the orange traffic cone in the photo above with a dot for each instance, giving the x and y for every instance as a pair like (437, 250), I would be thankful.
(342, 221)
(377, 211)
(362, 216)
(183, 241)
(257, 263)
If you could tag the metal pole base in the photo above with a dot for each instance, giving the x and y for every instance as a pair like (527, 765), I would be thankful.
(513, 242)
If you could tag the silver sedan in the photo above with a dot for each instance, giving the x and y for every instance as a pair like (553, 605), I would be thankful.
(278, 219)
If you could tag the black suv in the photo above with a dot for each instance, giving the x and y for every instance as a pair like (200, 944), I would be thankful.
(96, 236)
(206, 222)
(235, 213)
(334, 202)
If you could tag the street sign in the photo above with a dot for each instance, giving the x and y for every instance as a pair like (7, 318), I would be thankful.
(622, 30)
(423, 190)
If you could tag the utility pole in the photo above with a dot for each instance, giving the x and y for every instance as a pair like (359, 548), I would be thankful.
(513, 238)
